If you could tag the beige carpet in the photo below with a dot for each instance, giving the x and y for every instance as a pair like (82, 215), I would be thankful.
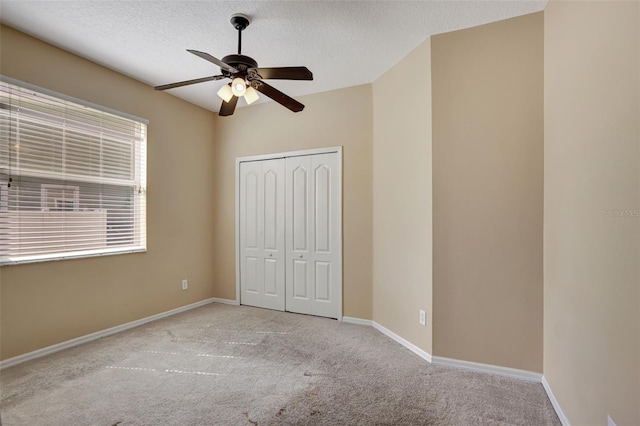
(227, 365)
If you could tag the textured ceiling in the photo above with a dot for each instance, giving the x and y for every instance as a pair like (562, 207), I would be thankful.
(344, 43)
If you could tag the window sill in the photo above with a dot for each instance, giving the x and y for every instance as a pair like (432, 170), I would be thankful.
(71, 255)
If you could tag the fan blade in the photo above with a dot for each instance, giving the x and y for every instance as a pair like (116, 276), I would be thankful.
(187, 82)
(278, 96)
(211, 59)
(228, 108)
(285, 73)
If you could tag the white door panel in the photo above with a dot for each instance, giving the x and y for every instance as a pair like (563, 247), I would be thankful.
(312, 228)
(323, 281)
(262, 234)
(300, 286)
(322, 209)
(299, 204)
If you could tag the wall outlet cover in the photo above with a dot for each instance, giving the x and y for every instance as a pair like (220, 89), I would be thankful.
(423, 317)
(185, 284)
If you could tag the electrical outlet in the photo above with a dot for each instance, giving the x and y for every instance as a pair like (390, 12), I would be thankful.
(423, 317)
(185, 284)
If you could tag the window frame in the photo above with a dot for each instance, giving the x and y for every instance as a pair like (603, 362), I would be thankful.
(138, 185)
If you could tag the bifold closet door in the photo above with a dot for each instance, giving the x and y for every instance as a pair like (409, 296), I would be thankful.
(262, 231)
(312, 273)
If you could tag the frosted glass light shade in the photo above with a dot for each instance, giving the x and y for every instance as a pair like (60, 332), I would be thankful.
(238, 87)
(251, 95)
(225, 93)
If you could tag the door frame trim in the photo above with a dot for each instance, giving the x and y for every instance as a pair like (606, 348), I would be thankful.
(274, 156)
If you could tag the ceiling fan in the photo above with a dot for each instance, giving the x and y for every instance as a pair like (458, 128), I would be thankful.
(247, 78)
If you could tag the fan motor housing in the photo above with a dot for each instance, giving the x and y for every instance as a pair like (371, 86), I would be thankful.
(240, 62)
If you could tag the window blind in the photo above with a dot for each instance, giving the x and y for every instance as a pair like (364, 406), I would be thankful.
(72, 178)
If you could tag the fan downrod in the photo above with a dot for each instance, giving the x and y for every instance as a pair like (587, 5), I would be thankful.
(239, 22)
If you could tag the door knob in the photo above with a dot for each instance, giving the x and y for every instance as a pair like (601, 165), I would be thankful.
(270, 254)
(300, 256)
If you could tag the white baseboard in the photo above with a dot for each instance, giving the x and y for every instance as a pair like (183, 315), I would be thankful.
(488, 368)
(97, 335)
(554, 402)
(225, 301)
(359, 321)
(407, 344)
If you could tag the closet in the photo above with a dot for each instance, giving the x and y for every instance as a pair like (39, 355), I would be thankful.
(289, 232)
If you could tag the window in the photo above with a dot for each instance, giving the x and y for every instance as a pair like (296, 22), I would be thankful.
(72, 177)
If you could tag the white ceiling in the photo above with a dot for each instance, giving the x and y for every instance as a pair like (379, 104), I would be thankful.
(344, 43)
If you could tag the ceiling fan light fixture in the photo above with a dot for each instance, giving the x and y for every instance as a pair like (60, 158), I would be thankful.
(251, 95)
(225, 93)
(244, 72)
(238, 86)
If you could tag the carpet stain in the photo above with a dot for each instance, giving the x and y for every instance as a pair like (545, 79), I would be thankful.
(309, 374)
(250, 421)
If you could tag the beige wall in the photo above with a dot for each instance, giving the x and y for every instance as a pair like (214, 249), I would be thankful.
(483, 90)
(46, 303)
(487, 193)
(341, 117)
(402, 198)
(591, 277)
